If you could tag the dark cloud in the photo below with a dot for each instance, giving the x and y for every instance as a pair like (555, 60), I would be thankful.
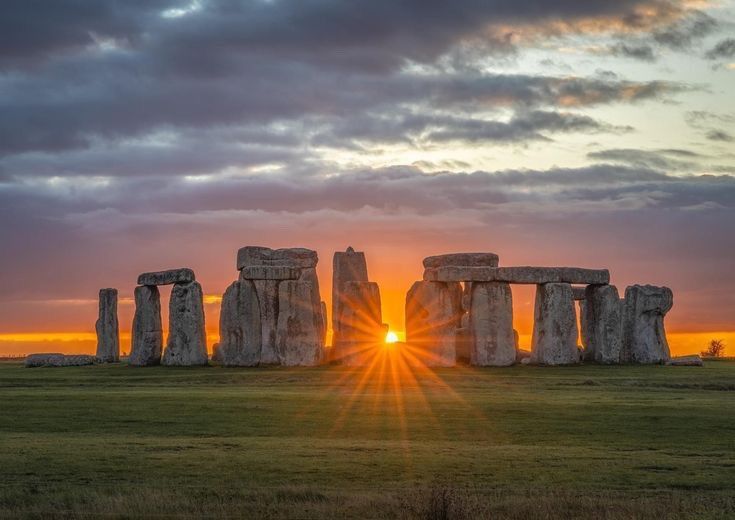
(723, 49)
(720, 135)
(686, 31)
(641, 52)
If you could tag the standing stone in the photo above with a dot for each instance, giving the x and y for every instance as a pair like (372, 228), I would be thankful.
(348, 266)
(433, 317)
(644, 337)
(240, 331)
(464, 337)
(187, 337)
(325, 323)
(147, 337)
(491, 323)
(555, 326)
(362, 333)
(602, 324)
(108, 333)
(267, 298)
(298, 339)
(309, 275)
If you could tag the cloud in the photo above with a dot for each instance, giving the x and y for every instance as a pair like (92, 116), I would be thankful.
(641, 52)
(720, 135)
(723, 50)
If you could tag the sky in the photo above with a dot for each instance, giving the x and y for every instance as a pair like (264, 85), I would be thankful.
(153, 134)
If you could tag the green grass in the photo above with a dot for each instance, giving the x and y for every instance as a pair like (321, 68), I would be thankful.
(520, 442)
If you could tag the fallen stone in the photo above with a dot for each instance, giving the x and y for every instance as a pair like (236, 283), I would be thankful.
(187, 337)
(147, 336)
(267, 297)
(298, 339)
(269, 272)
(58, 360)
(602, 325)
(462, 259)
(183, 275)
(240, 333)
(555, 326)
(520, 275)
(362, 333)
(107, 328)
(433, 315)
(347, 266)
(294, 257)
(685, 361)
(526, 361)
(491, 323)
(644, 336)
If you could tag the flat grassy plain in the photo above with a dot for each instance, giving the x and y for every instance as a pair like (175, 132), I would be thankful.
(523, 442)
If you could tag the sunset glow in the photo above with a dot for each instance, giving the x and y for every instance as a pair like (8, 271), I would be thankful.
(391, 337)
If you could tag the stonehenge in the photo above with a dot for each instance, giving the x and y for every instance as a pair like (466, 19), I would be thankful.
(491, 325)
(460, 311)
(59, 360)
(433, 316)
(147, 336)
(273, 313)
(644, 337)
(602, 325)
(362, 331)
(106, 327)
(554, 326)
(187, 339)
(298, 329)
(612, 331)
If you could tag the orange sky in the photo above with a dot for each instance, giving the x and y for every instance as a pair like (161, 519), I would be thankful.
(69, 324)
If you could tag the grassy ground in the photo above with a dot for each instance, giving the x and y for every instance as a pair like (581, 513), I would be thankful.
(521, 442)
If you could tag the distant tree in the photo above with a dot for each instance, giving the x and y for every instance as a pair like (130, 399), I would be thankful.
(716, 348)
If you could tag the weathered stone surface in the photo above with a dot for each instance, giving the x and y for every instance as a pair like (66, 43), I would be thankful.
(520, 275)
(602, 325)
(270, 272)
(309, 275)
(462, 259)
(491, 323)
(685, 361)
(267, 291)
(107, 328)
(187, 337)
(644, 336)
(298, 339)
(58, 360)
(522, 355)
(182, 275)
(555, 326)
(241, 336)
(579, 293)
(147, 337)
(325, 323)
(215, 357)
(362, 324)
(347, 266)
(433, 315)
(295, 257)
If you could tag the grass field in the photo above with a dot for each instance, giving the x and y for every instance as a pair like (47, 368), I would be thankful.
(520, 442)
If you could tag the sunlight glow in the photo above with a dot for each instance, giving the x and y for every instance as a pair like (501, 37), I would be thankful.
(391, 337)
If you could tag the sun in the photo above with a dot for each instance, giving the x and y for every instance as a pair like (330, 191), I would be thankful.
(391, 337)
